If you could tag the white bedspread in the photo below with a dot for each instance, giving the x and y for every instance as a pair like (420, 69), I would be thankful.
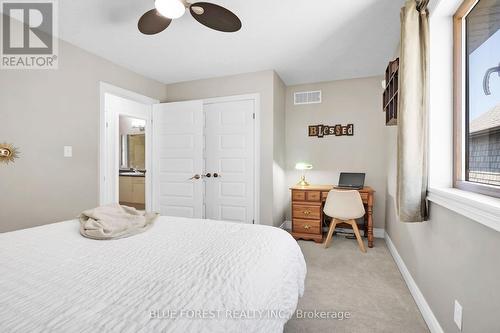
(54, 280)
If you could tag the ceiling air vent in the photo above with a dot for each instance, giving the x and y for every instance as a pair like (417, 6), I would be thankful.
(307, 97)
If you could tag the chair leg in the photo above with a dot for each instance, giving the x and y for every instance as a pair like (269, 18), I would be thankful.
(358, 236)
(330, 233)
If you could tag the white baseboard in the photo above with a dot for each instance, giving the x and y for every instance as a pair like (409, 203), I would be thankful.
(377, 232)
(422, 304)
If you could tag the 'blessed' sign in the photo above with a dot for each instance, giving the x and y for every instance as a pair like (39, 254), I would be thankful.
(337, 130)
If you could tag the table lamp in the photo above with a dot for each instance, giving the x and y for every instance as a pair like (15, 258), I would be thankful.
(303, 166)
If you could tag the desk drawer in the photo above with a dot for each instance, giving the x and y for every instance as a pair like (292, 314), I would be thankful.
(298, 195)
(364, 196)
(306, 226)
(313, 196)
(307, 211)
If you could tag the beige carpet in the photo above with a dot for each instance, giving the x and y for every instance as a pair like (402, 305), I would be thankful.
(368, 286)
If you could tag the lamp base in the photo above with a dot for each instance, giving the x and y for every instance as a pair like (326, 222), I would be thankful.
(303, 182)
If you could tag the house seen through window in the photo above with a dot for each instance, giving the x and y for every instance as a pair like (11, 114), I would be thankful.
(482, 96)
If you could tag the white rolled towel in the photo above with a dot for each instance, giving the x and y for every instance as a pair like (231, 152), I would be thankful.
(114, 221)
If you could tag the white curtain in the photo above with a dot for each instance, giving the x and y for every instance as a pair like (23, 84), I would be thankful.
(412, 112)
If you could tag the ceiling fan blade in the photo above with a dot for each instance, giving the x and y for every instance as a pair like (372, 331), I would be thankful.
(153, 22)
(215, 17)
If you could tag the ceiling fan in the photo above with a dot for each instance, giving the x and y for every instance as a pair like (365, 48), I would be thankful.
(211, 15)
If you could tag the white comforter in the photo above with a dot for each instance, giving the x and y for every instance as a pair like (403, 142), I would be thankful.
(183, 275)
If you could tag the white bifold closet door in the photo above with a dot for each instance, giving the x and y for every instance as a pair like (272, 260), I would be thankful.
(177, 156)
(212, 140)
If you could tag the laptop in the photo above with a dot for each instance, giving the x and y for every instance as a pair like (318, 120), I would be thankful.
(351, 180)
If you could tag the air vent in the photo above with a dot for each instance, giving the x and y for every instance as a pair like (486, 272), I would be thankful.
(307, 97)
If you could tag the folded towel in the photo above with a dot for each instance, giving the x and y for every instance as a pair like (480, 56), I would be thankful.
(114, 221)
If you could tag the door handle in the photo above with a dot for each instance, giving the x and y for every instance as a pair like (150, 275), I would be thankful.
(197, 176)
(208, 175)
(216, 175)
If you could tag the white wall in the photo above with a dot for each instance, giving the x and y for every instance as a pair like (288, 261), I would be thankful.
(356, 101)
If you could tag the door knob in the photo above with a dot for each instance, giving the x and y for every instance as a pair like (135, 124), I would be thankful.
(208, 175)
(197, 176)
(216, 175)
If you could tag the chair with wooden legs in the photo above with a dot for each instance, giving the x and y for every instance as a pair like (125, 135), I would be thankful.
(344, 207)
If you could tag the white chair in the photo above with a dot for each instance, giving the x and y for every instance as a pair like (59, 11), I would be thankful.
(344, 207)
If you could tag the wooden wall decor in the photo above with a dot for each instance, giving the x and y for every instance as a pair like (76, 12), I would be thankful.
(391, 93)
(335, 130)
(8, 153)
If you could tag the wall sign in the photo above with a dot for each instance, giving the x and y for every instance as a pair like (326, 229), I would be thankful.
(325, 130)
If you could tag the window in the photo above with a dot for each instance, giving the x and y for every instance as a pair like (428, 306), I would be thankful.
(477, 97)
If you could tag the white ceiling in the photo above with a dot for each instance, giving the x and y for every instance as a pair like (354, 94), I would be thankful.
(303, 40)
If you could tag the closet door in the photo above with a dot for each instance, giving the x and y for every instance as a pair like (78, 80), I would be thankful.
(178, 158)
(229, 158)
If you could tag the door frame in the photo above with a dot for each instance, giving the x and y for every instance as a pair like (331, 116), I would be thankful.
(256, 99)
(105, 190)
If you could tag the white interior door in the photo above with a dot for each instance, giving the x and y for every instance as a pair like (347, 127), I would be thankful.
(178, 156)
(229, 158)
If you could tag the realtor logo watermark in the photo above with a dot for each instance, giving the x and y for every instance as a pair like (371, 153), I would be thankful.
(28, 30)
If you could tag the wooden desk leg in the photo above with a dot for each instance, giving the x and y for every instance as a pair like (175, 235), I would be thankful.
(370, 226)
(365, 225)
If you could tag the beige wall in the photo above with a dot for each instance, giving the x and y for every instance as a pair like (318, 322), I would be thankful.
(450, 257)
(259, 82)
(280, 191)
(356, 101)
(46, 110)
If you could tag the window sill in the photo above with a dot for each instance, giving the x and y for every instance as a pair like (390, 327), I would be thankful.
(480, 208)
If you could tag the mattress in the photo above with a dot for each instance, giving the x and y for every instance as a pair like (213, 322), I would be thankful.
(182, 275)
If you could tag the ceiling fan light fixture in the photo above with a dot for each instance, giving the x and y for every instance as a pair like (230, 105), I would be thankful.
(170, 8)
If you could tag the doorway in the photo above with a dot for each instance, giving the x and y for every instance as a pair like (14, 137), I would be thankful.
(205, 157)
(125, 148)
(132, 170)
(202, 155)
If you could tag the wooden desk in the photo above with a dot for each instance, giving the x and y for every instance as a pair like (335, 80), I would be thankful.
(307, 211)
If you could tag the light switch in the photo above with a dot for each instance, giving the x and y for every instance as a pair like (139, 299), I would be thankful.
(68, 151)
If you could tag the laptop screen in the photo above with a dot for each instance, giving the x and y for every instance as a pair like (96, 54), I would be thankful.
(350, 179)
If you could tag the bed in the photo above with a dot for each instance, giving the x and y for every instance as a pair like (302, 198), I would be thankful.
(182, 275)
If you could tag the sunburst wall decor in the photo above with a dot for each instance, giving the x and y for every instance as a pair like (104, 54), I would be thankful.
(8, 153)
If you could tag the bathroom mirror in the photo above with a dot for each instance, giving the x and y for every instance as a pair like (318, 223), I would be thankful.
(132, 143)
(132, 151)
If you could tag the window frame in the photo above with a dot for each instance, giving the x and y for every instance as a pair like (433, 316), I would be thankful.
(460, 116)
